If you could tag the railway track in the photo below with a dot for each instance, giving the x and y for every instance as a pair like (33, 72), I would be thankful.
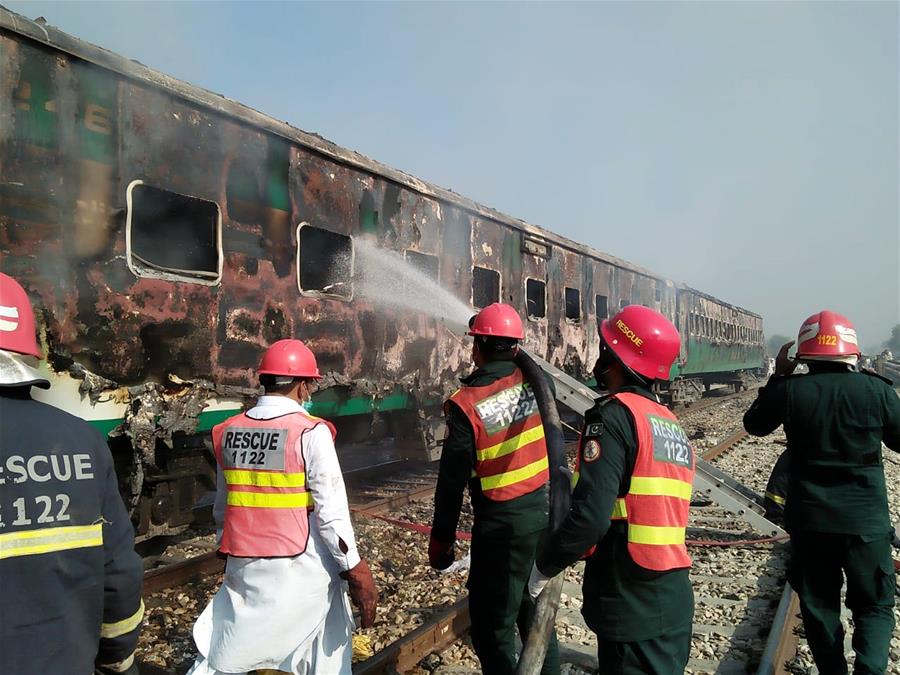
(730, 632)
(730, 624)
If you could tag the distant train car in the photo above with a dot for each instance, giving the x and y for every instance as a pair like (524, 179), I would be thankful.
(721, 344)
(167, 235)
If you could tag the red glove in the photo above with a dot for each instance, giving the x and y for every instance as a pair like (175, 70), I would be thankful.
(363, 592)
(440, 554)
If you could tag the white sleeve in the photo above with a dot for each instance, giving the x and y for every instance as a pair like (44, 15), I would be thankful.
(325, 481)
(219, 504)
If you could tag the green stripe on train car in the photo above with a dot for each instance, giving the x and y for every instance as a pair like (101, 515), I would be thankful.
(326, 404)
(105, 426)
(707, 357)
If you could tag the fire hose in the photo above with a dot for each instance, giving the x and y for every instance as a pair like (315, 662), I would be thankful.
(544, 621)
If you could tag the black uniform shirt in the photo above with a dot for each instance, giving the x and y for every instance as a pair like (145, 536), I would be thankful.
(835, 420)
(623, 602)
(523, 515)
(62, 608)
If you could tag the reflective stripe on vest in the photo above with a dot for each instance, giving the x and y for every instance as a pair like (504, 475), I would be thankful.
(510, 448)
(267, 504)
(50, 540)
(265, 478)
(659, 496)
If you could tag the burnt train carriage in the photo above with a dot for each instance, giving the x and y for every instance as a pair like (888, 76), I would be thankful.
(167, 235)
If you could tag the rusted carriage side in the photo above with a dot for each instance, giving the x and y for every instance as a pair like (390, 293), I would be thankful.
(153, 334)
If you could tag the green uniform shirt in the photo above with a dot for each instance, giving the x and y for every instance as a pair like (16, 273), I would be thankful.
(523, 515)
(623, 602)
(835, 420)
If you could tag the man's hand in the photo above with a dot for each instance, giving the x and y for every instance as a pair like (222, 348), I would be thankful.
(784, 365)
(536, 582)
(440, 554)
(362, 592)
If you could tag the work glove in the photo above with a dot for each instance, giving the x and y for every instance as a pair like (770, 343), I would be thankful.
(124, 667)
(362, 592)
(440, 554)
(536, 582)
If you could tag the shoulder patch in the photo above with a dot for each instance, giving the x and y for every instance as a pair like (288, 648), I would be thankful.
(591, 451)
(594, 429)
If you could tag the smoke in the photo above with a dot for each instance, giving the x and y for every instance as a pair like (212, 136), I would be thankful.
(386, 278)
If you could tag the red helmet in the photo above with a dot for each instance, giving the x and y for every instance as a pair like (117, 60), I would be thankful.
(827, 336)
(644, 341)
(497, 320)
(290, 358)
(17, 332)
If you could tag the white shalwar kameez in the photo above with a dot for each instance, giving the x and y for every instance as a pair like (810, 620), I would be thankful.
(290, 614)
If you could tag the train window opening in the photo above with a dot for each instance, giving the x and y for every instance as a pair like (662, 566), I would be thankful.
(623, 303)
(324, 262)
(573, 304)
(601, 304)
(535, 298)
(427, 264)
(658, 293)
(485, 287)
(173, 236)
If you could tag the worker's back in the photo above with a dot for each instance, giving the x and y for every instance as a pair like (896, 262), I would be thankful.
(70, 574)
(835, 420)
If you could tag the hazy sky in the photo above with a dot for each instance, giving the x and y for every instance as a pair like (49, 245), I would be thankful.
(749, 149)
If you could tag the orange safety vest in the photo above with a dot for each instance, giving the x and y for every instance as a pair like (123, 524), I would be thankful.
(510, 450)
(267, 511)
(659, 496)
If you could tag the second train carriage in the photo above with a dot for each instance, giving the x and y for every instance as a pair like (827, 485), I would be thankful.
(167, 235)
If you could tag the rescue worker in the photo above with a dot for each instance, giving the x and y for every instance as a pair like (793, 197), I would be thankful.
(629, 511)
(495, 446)
(71, 600)
(835, 419)
(285, 526)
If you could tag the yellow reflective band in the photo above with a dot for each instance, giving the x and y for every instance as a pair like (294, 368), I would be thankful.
(512, 444)
(575, 478)
(264, 478)
(270, 500)
(781, 501)
(514, 476)
(619, 510)
(50, 539)
(658, 536)
(114, 630)
(660, 487)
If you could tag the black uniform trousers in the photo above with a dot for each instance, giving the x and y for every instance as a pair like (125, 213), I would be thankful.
(664, 655)
(817, 562)
(499, 601)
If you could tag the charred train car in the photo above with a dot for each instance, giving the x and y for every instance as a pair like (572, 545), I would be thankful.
(167, 235)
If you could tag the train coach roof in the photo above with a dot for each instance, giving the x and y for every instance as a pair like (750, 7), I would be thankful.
(685, 288)
(56, 39)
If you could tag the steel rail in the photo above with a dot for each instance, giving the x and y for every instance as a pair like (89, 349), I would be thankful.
(725, 445)
(438, 632)
(781, 645)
